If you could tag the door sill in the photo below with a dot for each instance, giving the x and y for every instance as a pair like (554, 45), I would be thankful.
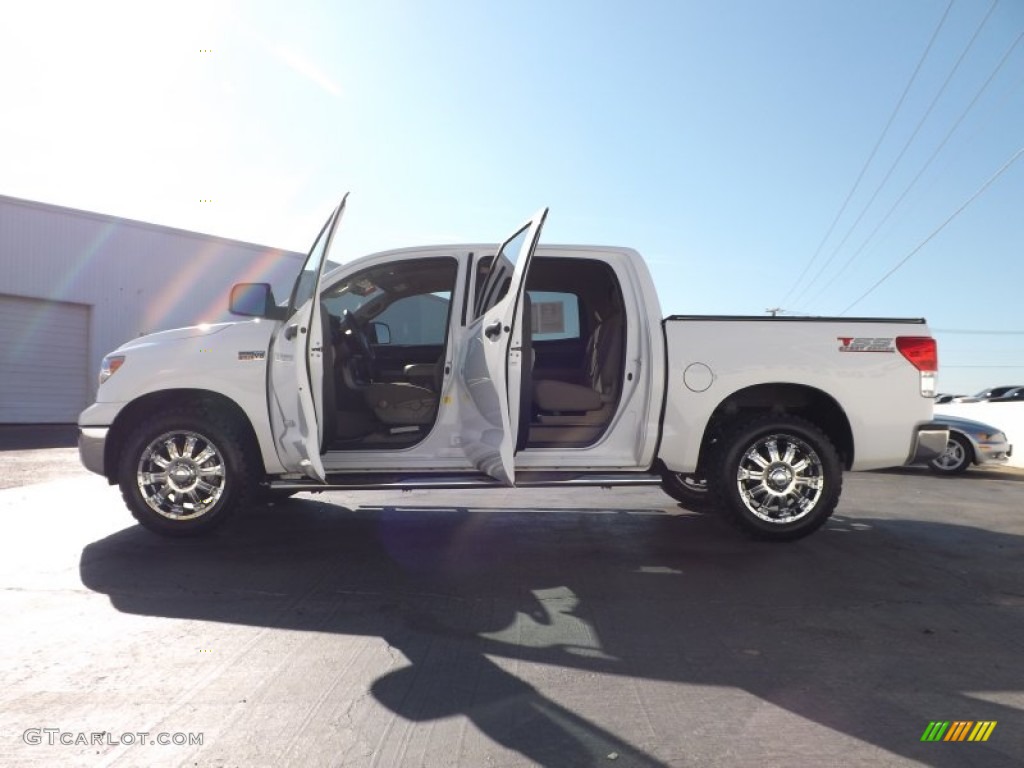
(419, 481)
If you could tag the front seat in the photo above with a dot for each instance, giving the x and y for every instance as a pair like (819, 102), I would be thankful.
(591, 401)
(401, 404)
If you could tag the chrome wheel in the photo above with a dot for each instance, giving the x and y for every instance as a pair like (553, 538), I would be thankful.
(181, 475)
(780, 478)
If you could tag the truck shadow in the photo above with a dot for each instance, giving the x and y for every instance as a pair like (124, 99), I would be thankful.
(870, 628)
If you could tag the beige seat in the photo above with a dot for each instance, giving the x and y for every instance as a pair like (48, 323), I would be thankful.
(401, 404)
(591, 401)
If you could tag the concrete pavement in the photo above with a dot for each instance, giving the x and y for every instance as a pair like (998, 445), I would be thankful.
(514, 628)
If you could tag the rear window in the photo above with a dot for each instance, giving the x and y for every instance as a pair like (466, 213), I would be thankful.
(555, 316)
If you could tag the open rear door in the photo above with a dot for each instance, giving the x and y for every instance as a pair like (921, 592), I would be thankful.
(297, 365)
(492, 363)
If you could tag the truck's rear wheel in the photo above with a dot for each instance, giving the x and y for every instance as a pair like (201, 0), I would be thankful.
(183, 473)
(778, 478)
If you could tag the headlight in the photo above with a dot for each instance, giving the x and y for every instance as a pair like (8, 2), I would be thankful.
(989, 437)
(109, 366)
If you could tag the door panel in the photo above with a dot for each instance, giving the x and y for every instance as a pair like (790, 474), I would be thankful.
(492, 363)
(297, 365)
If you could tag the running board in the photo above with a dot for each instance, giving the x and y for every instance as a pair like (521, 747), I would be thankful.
(408, 482)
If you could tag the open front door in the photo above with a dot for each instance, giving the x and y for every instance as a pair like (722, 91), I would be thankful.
(492, 363)
(297, 365)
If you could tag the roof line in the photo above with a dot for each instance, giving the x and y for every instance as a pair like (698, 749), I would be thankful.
(109, 218)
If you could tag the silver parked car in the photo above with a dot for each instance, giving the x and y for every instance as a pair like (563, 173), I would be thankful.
(970, 442)
(991, 393)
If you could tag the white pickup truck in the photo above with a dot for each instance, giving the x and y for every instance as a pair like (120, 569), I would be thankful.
(517, 364)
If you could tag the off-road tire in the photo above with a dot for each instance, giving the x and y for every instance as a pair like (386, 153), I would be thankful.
(777, 477)
(185, 472)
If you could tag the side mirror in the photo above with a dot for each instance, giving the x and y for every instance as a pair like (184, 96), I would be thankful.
(255, 300)
(381, 333)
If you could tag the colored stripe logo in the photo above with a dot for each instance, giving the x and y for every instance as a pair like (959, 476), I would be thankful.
(958, 730)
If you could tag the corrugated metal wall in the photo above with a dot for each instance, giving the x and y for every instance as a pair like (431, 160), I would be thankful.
(136, 277)
(44, 360)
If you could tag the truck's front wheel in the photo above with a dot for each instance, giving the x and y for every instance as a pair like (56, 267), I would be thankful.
(183, 473)
(778, 478)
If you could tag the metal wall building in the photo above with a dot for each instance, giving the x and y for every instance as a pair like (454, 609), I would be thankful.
(74, 285)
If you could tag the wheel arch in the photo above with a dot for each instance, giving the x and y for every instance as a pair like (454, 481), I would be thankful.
(809, 403)
(203, 400)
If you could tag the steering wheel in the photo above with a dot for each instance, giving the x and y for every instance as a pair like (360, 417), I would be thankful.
(354, 329)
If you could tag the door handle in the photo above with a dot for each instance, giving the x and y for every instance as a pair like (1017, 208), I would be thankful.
(291, 330)
(493, 331)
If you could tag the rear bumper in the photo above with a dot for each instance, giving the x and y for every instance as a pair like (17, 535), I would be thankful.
(929, 443)
(92, 442)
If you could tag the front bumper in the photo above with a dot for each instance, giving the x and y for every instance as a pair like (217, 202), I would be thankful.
(92, 442)
(929, 443)
(998, 452)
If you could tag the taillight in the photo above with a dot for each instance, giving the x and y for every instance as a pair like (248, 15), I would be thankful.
(922, 353)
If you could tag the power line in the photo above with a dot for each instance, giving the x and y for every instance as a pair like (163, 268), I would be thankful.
(903, 150)
(942, 226)
(871, 157)
(927, 164)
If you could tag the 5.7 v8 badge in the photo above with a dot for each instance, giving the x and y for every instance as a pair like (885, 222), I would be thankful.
(865, 344)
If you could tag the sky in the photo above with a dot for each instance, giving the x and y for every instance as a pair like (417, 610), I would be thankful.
(760, 154)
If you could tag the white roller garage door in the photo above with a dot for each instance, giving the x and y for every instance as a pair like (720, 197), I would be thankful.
(44, 361)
